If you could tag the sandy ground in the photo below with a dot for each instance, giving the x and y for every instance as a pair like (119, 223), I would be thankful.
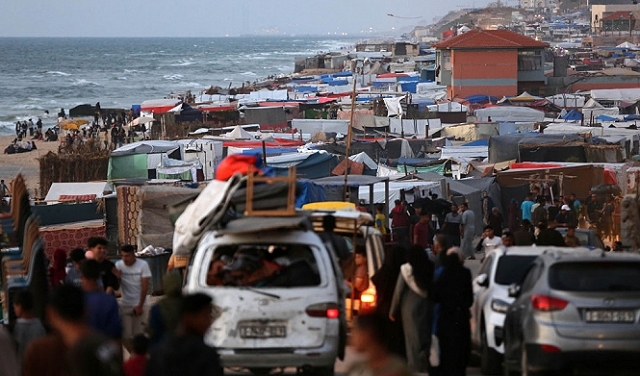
(24, 163)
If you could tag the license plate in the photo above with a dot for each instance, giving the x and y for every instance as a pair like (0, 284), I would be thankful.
(626, 316)
(263, 331)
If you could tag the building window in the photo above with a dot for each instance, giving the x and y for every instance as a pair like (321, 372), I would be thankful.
(529, 61)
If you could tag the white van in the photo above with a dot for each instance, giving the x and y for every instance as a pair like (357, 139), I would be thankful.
(278, 295)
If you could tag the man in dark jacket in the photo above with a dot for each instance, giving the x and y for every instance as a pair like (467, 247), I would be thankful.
(549, 236)
(524, 236)
(185, 353)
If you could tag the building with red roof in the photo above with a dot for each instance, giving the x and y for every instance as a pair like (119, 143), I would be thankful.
(490, 62)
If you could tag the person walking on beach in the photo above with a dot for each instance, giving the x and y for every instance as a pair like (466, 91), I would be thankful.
(467, 231)
(451, 227)
(134, 275)
(4, 190)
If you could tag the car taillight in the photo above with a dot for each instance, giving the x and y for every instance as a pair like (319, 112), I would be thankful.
(547, 303)
(328, 310)
(367, 298)
(550, 349)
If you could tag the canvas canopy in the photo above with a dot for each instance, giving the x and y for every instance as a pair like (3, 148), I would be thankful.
(623, 95)
(507, 147)
(567, 100)
(239, 134)
(509, 113)
(593, 109)
(146, 147)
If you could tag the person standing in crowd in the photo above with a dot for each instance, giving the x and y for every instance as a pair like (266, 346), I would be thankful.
(422, 231)
(57, 271)
(495, 221)
(28, 327)
(360, 281)
(594, 209)
(562, 219)
(380, 220)
(525, 208)
(487, 207)
(606, 219)
(369, 339)
(467, 231)
(453, 294)
(540, 214)
(185, 353)
(400, 223)
(524, 236)
(98, 251)
(571, 240)
(102, 312)
(89, 352)
(409, 304)
(547, 236)
(134, 275)
(165, 314)
(508, 240)
(73, 274)
(136, 365)
(451, 227)
(489, 240)
(384, 281)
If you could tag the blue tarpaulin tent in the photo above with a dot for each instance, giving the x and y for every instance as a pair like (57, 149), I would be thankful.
(309, 192)
(484, 142)
(632, 117)
(573, 115)
(606, 118)
(477, 98)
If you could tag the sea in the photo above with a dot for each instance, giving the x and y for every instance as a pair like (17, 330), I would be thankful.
(47, 74)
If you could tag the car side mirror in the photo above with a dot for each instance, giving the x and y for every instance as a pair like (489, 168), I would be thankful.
(482, 280)
(514, 290)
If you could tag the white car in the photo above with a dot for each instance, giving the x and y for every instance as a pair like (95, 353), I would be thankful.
(292, 318)
(500, 268)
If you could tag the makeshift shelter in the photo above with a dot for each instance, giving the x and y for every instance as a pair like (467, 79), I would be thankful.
(76, 192)
(159, 106)
(335, 186)
(593, 109)
(207, 152)
(271, 118)
(508, 147)
(238, 133)
(179, 170)
(567, 100)
(153, 220)
(572, 115)
(509, 114)
(140, 159)
(308, 165)
(188, 114)
(71, 235)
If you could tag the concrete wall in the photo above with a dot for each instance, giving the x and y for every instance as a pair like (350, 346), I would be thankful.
(490, 72)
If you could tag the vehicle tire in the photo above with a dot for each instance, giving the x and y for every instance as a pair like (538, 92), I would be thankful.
(490, 359)
(323, 371)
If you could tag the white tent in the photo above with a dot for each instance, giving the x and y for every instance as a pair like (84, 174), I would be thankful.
(447, 107)
(239, 134)
(365, 159)
(567, 100)
(76, 189)
(145, 147)
(509, 114)
(595, 109)
(395, 187)
(627, 45)
(623, 95)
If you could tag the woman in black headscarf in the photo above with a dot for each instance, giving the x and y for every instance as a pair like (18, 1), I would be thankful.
(385, 282)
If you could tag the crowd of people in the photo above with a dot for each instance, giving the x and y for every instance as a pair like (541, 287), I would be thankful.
(88, 331)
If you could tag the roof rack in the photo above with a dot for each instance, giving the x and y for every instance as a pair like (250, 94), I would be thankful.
(290, 209)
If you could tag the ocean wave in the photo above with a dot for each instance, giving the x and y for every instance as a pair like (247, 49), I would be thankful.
(83, 82)
(173, 77)
(183, 63)
(27, 107)
(57, 73)
(122, 78)
(248, 73)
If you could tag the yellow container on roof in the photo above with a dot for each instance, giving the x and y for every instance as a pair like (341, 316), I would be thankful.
(329, 205)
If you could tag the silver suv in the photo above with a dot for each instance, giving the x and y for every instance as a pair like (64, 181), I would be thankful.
(500, 268)
(576, 311)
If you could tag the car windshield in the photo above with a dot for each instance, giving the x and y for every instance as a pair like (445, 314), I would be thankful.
(263, 266)
(512, 268)
(595, 276)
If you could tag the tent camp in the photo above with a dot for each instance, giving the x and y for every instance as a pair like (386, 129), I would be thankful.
(508, 147)
(308, 165)
(207, 152)
(72, 192)
(140, 159)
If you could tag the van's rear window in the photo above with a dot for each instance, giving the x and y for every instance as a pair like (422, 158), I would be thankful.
(595, 276)
(263, 265)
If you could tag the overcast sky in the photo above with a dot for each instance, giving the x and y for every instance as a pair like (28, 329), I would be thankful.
(210, 18)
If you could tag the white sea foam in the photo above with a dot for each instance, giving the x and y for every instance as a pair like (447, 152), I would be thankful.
(57, 73)
(173, 77)
(83, 82)
(248, 73)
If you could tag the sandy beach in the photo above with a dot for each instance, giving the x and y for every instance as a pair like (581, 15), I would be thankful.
(25, 164)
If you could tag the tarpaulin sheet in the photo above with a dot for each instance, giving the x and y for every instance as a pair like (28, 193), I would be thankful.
(507, 147)
(265, 115)
(438, 168)
(70, 235)
(317, 165)
(128, 166)
(579, 179)
(308, 192)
